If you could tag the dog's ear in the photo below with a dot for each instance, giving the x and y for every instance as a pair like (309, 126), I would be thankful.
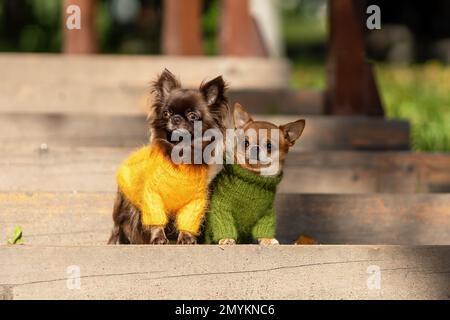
(292, 131)
(240, 116)
(214, 91)
(165, 83)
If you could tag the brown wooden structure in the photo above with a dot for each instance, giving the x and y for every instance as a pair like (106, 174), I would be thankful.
(181, 33)
(239, 35)
(83, 40)
(351, 87)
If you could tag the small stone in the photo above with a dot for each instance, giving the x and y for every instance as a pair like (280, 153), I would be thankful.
(43, 148)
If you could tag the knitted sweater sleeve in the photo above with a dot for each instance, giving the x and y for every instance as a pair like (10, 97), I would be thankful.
(190, 217)
(221, 223)
(153, 213)
(266, 225)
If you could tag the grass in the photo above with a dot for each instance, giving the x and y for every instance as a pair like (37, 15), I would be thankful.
(303, 30)
(418, 93)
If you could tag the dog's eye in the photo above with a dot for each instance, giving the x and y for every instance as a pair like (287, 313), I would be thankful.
(269, 146)
(166, 114)
(192, 116)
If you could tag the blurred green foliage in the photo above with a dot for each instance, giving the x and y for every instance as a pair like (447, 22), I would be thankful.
(421, 94)
(210, 28)
(304, 30)
(418, 93)
(35, 26)
(30, 25)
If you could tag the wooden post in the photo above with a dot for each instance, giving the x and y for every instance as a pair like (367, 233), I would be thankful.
(83, 40)
(181, 32)
(351, 85)
(239, 34)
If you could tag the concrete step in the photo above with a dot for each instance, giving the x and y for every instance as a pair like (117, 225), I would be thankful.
(321, 132)
(119, 84)
(218, 272)
(400, 219)
(40, 71)
(92, 169)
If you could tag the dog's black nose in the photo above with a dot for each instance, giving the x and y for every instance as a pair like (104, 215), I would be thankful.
(176, 119)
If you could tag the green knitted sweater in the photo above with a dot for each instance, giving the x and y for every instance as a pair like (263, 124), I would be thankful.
(241, 206)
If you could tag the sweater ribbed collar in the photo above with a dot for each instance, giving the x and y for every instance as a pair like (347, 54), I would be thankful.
(266, 182)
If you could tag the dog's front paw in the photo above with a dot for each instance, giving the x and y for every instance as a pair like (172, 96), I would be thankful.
(227, 241)
(158, 236)
(268, 241)
(186, 238)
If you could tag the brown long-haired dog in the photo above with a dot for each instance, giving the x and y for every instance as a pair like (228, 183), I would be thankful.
(174, 108)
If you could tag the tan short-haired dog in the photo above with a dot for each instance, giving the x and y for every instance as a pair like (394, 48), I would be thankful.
(242, 203)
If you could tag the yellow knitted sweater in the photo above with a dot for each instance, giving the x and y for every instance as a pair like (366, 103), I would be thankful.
(161, 189)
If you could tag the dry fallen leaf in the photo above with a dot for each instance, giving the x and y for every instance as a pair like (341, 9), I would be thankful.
(305, 240)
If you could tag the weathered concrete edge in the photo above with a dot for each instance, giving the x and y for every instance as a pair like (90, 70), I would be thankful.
(215, 272)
